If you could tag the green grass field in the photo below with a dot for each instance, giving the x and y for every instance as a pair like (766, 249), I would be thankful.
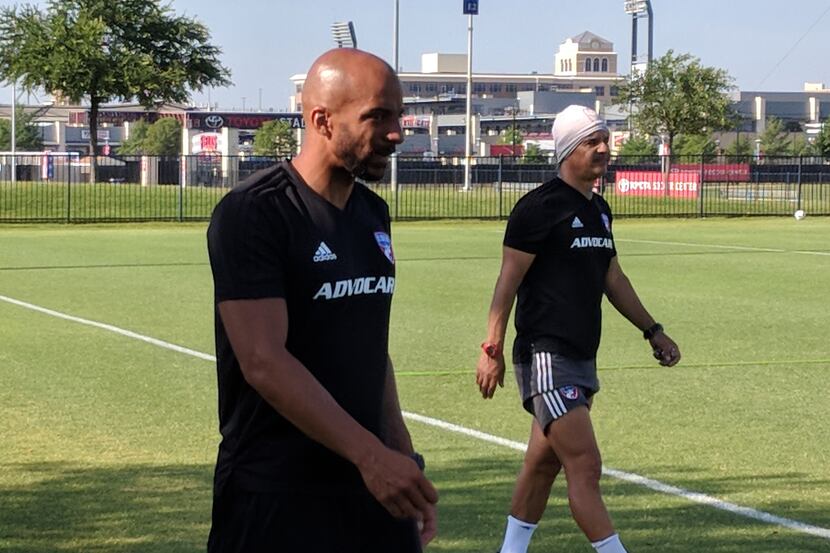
(109, 442)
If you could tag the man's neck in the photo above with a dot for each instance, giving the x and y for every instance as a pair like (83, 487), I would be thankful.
(584, 187)
(332, 183)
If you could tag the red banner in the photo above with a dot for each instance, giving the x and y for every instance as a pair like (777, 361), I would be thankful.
(651, 183)
(721, 172)
(507, 150)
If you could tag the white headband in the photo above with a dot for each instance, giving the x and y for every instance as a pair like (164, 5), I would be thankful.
(573, 125)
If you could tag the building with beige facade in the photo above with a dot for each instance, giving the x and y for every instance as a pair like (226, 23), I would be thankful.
(584, 63)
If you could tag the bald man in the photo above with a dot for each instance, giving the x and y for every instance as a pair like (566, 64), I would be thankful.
(315, 454)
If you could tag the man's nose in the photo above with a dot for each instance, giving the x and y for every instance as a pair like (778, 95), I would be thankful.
(395, 134)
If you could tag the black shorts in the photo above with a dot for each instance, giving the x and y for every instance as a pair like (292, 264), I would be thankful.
(248, 522)
(552, 385)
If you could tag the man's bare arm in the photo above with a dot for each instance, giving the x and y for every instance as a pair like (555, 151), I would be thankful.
(514, 266)
(257, 330)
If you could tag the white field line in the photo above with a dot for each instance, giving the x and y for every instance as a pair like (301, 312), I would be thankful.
(104, 326)
(643, 481)
(721, 246)
(483, 436)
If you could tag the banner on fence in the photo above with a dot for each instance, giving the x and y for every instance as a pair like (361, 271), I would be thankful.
(717, 172)
(652, 183)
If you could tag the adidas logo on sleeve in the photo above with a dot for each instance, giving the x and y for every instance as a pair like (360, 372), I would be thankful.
(577, 223)
(323, 253)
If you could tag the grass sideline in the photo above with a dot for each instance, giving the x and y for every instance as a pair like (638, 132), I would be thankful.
(109, 443)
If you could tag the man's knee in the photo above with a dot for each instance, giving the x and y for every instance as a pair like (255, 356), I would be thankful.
(543, 466)
(585, 468)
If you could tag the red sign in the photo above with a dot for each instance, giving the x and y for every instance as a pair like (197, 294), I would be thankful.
(507, 150)
(209, 142)
(651, 183)
(415, 121)
(732, 172)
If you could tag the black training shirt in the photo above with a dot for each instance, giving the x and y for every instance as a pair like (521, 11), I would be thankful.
(274, 237)
(558, 306)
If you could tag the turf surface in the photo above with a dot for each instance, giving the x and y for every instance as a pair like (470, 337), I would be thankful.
(108, 442)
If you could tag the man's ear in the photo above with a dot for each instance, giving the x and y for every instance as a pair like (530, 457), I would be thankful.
(320, 121)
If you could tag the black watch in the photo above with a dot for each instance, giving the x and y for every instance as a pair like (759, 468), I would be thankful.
(419, 460)
(649, 333)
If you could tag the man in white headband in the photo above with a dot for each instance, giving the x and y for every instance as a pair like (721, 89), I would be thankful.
(559, 258)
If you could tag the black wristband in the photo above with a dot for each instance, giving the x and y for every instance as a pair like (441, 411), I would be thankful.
(419, 460)
(649, 333)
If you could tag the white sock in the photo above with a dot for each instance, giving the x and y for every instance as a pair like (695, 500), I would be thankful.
(611, 544)
(517, 536)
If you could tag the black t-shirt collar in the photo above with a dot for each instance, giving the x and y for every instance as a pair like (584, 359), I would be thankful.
(310, 194)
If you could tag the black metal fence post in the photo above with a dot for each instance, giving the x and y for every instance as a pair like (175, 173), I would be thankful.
(182, 182)
(798, 189)
(500, 188)
(69, 190)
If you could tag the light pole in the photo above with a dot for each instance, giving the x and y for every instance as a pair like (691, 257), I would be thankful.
(13, 137)
(343, 34)
(470, 9)
(639, 9)
(513, 109)
(394, 168)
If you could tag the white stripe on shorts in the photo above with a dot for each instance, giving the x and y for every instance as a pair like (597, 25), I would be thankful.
(550, 371)
(544, 372)
(552, 407)
(559, 400)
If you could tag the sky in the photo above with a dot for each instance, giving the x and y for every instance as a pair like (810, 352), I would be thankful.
(762, 44)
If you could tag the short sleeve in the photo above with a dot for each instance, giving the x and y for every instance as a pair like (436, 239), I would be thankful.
(247, 246)
(528, 226)
(607, 219)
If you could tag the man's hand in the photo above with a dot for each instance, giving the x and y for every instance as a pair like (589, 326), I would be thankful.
(399, 485)
(428, 525)
(489, 373)
(665, 350)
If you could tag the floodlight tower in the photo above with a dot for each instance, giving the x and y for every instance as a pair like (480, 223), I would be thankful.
(638, 10)
(343, 34)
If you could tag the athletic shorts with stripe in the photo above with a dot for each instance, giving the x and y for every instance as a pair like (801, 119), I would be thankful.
(552, 384)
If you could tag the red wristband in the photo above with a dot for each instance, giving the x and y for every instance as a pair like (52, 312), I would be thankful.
(490, 349)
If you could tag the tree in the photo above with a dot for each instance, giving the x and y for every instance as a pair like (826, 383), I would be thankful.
(741, 149)
(677, 95)
(638, 145)
(821, 146)
(164, 138)
(799, 146)
(694, 145)
(134, 144)
(106, 50)
(775, 140)
(275, 138)
(533, 154)
(27, 135)
(512, 136)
